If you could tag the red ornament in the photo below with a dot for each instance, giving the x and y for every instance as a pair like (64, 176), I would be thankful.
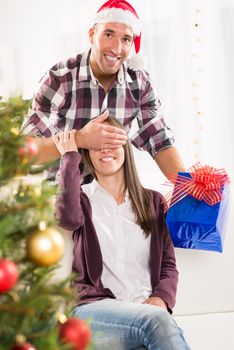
(8, 274)
(75, 332)
(29, 149)
(23, 346)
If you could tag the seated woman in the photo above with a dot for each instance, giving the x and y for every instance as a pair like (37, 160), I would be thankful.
(126, 276)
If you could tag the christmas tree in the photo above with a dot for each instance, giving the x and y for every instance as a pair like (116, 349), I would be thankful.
(33, 305)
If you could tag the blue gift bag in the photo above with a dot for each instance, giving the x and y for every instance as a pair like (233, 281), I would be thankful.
(194, 224)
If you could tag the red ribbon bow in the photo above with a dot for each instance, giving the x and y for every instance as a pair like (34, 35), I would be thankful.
(206, 183)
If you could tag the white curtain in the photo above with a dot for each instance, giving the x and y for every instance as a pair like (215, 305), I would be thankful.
(190, 49)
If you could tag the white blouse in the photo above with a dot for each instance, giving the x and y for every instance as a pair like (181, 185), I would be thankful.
(125, 250)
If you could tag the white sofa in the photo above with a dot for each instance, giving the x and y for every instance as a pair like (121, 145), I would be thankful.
(205, 299)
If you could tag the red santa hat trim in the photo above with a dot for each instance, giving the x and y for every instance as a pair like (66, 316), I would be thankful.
(122, 12)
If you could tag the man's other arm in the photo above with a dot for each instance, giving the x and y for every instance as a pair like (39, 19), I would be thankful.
(169, 161)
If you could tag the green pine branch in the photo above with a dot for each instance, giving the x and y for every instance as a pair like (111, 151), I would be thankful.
(31, 307)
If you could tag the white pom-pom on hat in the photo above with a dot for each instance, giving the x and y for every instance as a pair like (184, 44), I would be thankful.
(137, 61)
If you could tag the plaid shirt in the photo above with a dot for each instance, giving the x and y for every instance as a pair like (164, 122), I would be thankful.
(69, 96)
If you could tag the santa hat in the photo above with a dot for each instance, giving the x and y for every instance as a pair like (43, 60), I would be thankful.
(122, 12)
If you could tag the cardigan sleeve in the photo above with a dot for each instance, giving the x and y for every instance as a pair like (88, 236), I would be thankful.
(164, 270)
(68, 209)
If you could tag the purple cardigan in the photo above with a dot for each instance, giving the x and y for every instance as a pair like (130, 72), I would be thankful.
(74, 212)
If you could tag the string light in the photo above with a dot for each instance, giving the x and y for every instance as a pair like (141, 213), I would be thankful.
(20, 338)
(42, 225)
(62, 318)
(197, 69)
(37, 191)
(14, 131)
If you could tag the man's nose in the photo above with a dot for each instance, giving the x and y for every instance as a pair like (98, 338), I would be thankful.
(117, 46)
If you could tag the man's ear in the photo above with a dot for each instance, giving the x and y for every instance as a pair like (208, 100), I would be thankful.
(91, 35)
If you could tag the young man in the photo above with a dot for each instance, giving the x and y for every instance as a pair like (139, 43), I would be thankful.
(100, 82)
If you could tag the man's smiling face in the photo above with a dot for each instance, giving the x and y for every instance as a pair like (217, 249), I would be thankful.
(111, 45)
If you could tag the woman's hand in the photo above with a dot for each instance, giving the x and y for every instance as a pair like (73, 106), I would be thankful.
(156, 301)
(65, 141)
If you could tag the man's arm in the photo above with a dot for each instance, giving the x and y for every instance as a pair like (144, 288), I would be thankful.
(95, 134)
(154, 135)
(169, 161)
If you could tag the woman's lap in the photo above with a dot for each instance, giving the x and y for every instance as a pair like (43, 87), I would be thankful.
(120, 325)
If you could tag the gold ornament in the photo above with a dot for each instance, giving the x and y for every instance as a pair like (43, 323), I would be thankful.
(46, 247)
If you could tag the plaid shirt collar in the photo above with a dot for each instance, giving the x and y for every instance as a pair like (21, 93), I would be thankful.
(87, 74)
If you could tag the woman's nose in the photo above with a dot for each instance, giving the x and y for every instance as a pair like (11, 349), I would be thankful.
(105, 150)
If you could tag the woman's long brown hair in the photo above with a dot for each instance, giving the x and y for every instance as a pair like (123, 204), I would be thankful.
(141, 199)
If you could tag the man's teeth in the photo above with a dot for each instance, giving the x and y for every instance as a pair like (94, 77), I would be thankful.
(111, 58)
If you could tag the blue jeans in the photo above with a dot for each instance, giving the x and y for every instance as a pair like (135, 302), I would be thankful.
(120, 325)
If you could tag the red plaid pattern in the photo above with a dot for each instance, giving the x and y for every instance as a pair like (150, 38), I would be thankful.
(69, 96)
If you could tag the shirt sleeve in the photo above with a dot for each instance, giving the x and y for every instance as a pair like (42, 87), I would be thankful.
(44, 117)
(153, 134)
